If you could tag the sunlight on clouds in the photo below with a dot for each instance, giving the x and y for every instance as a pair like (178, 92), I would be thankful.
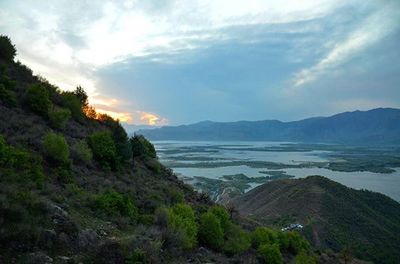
(152, 119)
(122, 117)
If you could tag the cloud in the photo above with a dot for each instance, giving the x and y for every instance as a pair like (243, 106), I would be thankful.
(371, 30)
(152, 119)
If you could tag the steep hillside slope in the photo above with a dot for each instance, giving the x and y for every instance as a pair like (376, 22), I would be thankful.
(375, 126)
(75, 189)
(334, 215)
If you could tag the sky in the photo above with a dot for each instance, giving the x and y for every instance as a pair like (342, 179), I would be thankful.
(160, 62)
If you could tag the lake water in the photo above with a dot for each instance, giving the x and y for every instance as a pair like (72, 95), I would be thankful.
(187, 152)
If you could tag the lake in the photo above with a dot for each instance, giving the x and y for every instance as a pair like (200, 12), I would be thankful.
(204, 164)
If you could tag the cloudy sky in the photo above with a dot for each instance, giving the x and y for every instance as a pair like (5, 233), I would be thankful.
(175, 62)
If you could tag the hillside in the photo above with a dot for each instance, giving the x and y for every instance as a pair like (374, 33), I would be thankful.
(74, 188)
(375, 126)
(334, 216)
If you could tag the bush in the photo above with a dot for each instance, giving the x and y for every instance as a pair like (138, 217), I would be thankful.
(71, 101)
(56, 147)
(113, 203)
(124, 149)
(38, 100)
(181, 219)
(59, 117)
(82, 151)
(222, 215)
(263, 235)
(237, 240)
(211, 233)
(304, 258)
(7, 97)
(7, 49)
(296, 243)
(21, 161)
(103, 148)
(270, 253)
(141, 147)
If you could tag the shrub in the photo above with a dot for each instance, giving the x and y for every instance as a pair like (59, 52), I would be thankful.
(103, 148)
(38, 100)
(211, 233)
(304, 258)
(270, 253)
(115, 204)
(222, 215)
(141, 147)
(237, 240)
(82, 151)
(56, 147)
(183, 218)
(71, 101)
(7, 49)
(7, 97)
(59, 117)
(124, 149)
(296, 243)
(263, 235)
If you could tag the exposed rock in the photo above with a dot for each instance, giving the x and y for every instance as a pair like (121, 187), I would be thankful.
(88, 239)
(39, 258)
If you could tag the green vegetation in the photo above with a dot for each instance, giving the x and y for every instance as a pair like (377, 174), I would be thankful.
(56, 147)
(182, 220)
(270, 253)
(114, 204)
(304, 258)
(237, 240)
(81, 212)
(122, 144)
(7, 89)
(7, 49)
(263, 235)
(72, 101)
(211, 233)
(141, 147)
(38, 100)
(82, 151)
(103, 148)
(59, 117)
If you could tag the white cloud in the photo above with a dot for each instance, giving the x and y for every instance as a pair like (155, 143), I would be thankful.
(373, 29)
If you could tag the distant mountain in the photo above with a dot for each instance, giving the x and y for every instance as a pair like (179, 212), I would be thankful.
(333, 215)
(132, 129)
(381, 125)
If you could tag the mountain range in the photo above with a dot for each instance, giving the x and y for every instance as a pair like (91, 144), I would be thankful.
(376, 126)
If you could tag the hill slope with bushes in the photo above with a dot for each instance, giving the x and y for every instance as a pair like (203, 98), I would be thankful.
(334, 216)
(75, 189)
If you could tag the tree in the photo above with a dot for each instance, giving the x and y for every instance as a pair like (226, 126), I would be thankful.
(56, 147)
(141, 147)
(270, 253)
(7, 49)
(181, 219)
(222, 215)
(82, 151)
(59, 117)
(124, 150)
(82, 96)
(237, 240)
(263, 235)
(38, 100)
(103, 148)
(210, 231)
(71, 101)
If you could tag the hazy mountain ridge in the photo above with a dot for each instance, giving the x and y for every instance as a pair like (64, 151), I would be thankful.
(376, 126)
(334, 215)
